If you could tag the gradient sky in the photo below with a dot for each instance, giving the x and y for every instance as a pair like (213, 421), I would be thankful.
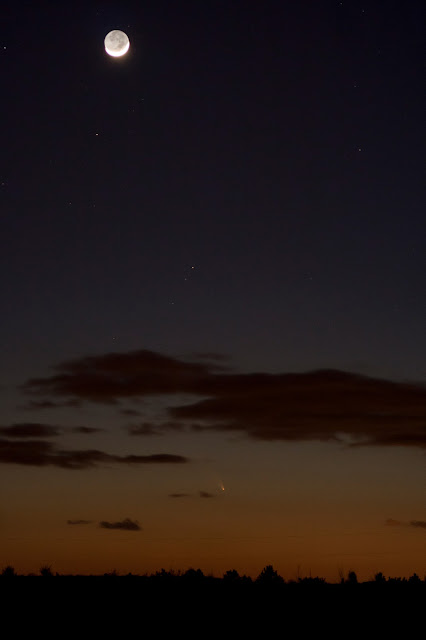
(213, 277)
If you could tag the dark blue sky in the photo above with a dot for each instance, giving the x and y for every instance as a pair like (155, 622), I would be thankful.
(273, 147)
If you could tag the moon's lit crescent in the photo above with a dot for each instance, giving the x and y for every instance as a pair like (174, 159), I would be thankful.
(116, 43)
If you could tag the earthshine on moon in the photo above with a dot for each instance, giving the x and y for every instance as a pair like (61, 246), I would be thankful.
(116, 43)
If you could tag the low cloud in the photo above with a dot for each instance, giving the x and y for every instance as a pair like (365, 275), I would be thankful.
(210, 356)
(325, 405)
(200, 494)
(40, 404)
(77, 522)
(30, 430)
(328, 406)
(144, 429)
(417, 524)
(156, 458)
(49, 404)
(113, 376)
(157, 428)
(86, 430)
(41, 453)
(39, 430)
(127, 525)
(130, 412)
(390, 522)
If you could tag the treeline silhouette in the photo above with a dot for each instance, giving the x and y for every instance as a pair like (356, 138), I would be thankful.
(268, 578)
(164, 601)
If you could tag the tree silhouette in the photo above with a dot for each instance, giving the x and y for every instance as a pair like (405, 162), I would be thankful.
(414, 579)
(8, 572)
(309, 580)
(379, 578)
(231, 576)
(352, 578)
(268, 576)
(194, 575)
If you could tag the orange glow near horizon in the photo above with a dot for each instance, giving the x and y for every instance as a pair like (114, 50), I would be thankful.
(287, 514)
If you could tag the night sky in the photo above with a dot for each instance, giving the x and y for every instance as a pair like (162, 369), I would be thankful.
(213, 287)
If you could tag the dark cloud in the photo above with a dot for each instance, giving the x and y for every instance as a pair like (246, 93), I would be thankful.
(200, 494)
(155, 429)
(144, 429)
(49, 404)
(126, 525)
(390, 522)
(30, 430)
(156, 458)
(79, 522)
(130, 412)
(107, 378)
(212, 357)
(86, 430)
(324, 405)
(38, 430)
(41, 453)
(40, 404)
(418, 524)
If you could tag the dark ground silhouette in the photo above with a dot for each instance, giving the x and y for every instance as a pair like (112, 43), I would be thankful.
(169, 601)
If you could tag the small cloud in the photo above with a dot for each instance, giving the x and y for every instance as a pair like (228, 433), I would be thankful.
(125, 525)
(130, 412)
(40, 404)
(48, 404)
(390, 522)
(154, 429)
(144, 429)
(199, 494)
(418, 524)
(42, 453)
(29, 430)
(156, 458)
(216, 361)
(79, 522)
(86, 430)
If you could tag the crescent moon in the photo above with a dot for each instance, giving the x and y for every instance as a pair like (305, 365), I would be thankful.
(116, 43)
